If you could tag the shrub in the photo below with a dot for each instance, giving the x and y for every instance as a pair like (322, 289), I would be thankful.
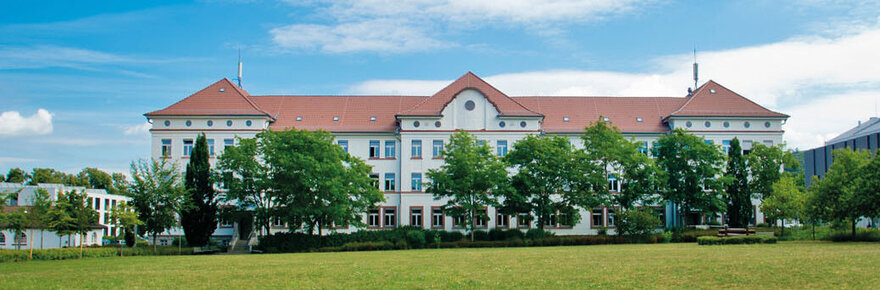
(481, 236)
(88, 252)
(706, 240)
(536, 234)
(497, 234)
(513, 234)
(762, 225)
(369, 246)
(415, 239)
(690, 236)
(667, 236)
(862, 235)
(602, 231)
(637, 225)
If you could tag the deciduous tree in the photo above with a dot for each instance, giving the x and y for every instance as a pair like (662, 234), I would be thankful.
(247, 180)
(157, 194)
(470, 178)
(838, 192)
(693, 173)
(787, 201)
(552, 179)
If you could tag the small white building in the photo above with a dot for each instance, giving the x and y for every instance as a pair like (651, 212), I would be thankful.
(23, 197)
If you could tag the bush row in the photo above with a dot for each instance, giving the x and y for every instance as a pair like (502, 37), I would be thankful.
(545, 242)
(90, 252)
(734, 240)
(862, 235)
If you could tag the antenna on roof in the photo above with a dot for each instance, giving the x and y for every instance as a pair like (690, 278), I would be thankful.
(695, 67)
(239, 67)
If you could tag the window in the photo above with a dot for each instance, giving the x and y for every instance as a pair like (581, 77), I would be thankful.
(167, 123)
(106, 205)
(707, 124)
(389, 149)
(113, 204)
(375, 178)
(766, 124)
(437, 218)
(564, 221)
(501, 145)
(747, 124)
(389, 182)
(389, 217)
(482, 220)
(688, 124)
(2, 239)
(502, 220)
(611, 213)
(225, 223)
(596, 218)
(373, 218)
(21, 239)
(613, 184)
(481, 143)
(437, 124)
(277, 222)
(522, 124)
(709, 142)
(343, 144)
(166, 147)
(769, 143)
(438, 148)
(163, 242)
(643, 147)
(210, 123)
(416, 124)
(726, 124)
(228, 123)
(550, 221)
(415, 216)
(97, 203)
(523, 220)
(187, 147)
(189, 123)
(416, 182)
(211, 147)
(248, 123)
(502, 124)
(228, 143)
(416, 149)
(458, 222)
(374, 148)
(725, 145)
(469, 105)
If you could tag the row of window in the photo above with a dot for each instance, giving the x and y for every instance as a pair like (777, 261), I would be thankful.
(386, 217)
(726, 124)
(391, 182)
(188, 146)
(209, 123)
(416, 148)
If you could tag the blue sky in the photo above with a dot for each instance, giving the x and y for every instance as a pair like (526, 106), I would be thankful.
(76, 77)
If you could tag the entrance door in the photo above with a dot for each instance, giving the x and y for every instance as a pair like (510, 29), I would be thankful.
(245, 225)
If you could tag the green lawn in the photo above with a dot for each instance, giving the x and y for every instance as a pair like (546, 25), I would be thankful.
(784, 265)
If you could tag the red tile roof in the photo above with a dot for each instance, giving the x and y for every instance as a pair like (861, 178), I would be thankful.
(713, 99)
(621, 112)
(232, 100)
(435, 104)
(355, 112)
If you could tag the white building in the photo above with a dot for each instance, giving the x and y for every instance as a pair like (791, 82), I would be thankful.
(401, 136)
(23, 196)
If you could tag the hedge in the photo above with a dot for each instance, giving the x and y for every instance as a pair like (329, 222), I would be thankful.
(734, 240)
(90, 252)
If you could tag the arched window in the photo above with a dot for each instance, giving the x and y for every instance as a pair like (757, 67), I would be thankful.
(2, 239)
(21, 239)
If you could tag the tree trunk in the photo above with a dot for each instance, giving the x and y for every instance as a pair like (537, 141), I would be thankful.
(41, 239)
(154, 243)
(814, 230)
(81, 240)
(854, 229)
(473, 224)
(782, 231)
(31, 245)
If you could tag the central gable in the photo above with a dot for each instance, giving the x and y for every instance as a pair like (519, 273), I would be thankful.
(435, 105)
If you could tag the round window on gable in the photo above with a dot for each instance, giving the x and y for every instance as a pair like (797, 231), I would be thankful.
(437, 124)
(469, 105)
(502, 124)
(228, 123)
(248, 123)
(747, 124)
(210, 123)
(707, 124)
(522, 124)
(189, 123)
(416, 124)
(688, 124)
(726, 124)
(167, 123)
(766, 124)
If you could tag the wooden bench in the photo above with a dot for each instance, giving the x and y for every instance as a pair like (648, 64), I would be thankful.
(727, 232)
(202, 251)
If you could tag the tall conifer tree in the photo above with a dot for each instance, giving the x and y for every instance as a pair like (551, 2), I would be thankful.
(739, 203)
(199, 215)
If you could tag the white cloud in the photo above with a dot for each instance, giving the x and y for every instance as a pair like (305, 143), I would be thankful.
(825, 83)
(89, 142)
(141, 129)
(395, 26)
(15, 160)
(12, 123)
(375, 35)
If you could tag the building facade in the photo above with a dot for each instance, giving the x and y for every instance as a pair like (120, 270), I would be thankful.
(23, 196)
(865, 136)
(402, 136)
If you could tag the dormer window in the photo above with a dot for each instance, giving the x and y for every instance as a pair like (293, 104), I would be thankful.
(299, 118)
(606, 119)
(335, 118)
(372, 118)
(639, 119)
(565, 118)
(711, 91)
(222, 90)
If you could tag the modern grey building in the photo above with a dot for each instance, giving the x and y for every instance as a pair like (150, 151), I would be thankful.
(865, 136)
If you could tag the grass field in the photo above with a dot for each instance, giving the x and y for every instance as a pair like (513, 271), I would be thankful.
(783, 265)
